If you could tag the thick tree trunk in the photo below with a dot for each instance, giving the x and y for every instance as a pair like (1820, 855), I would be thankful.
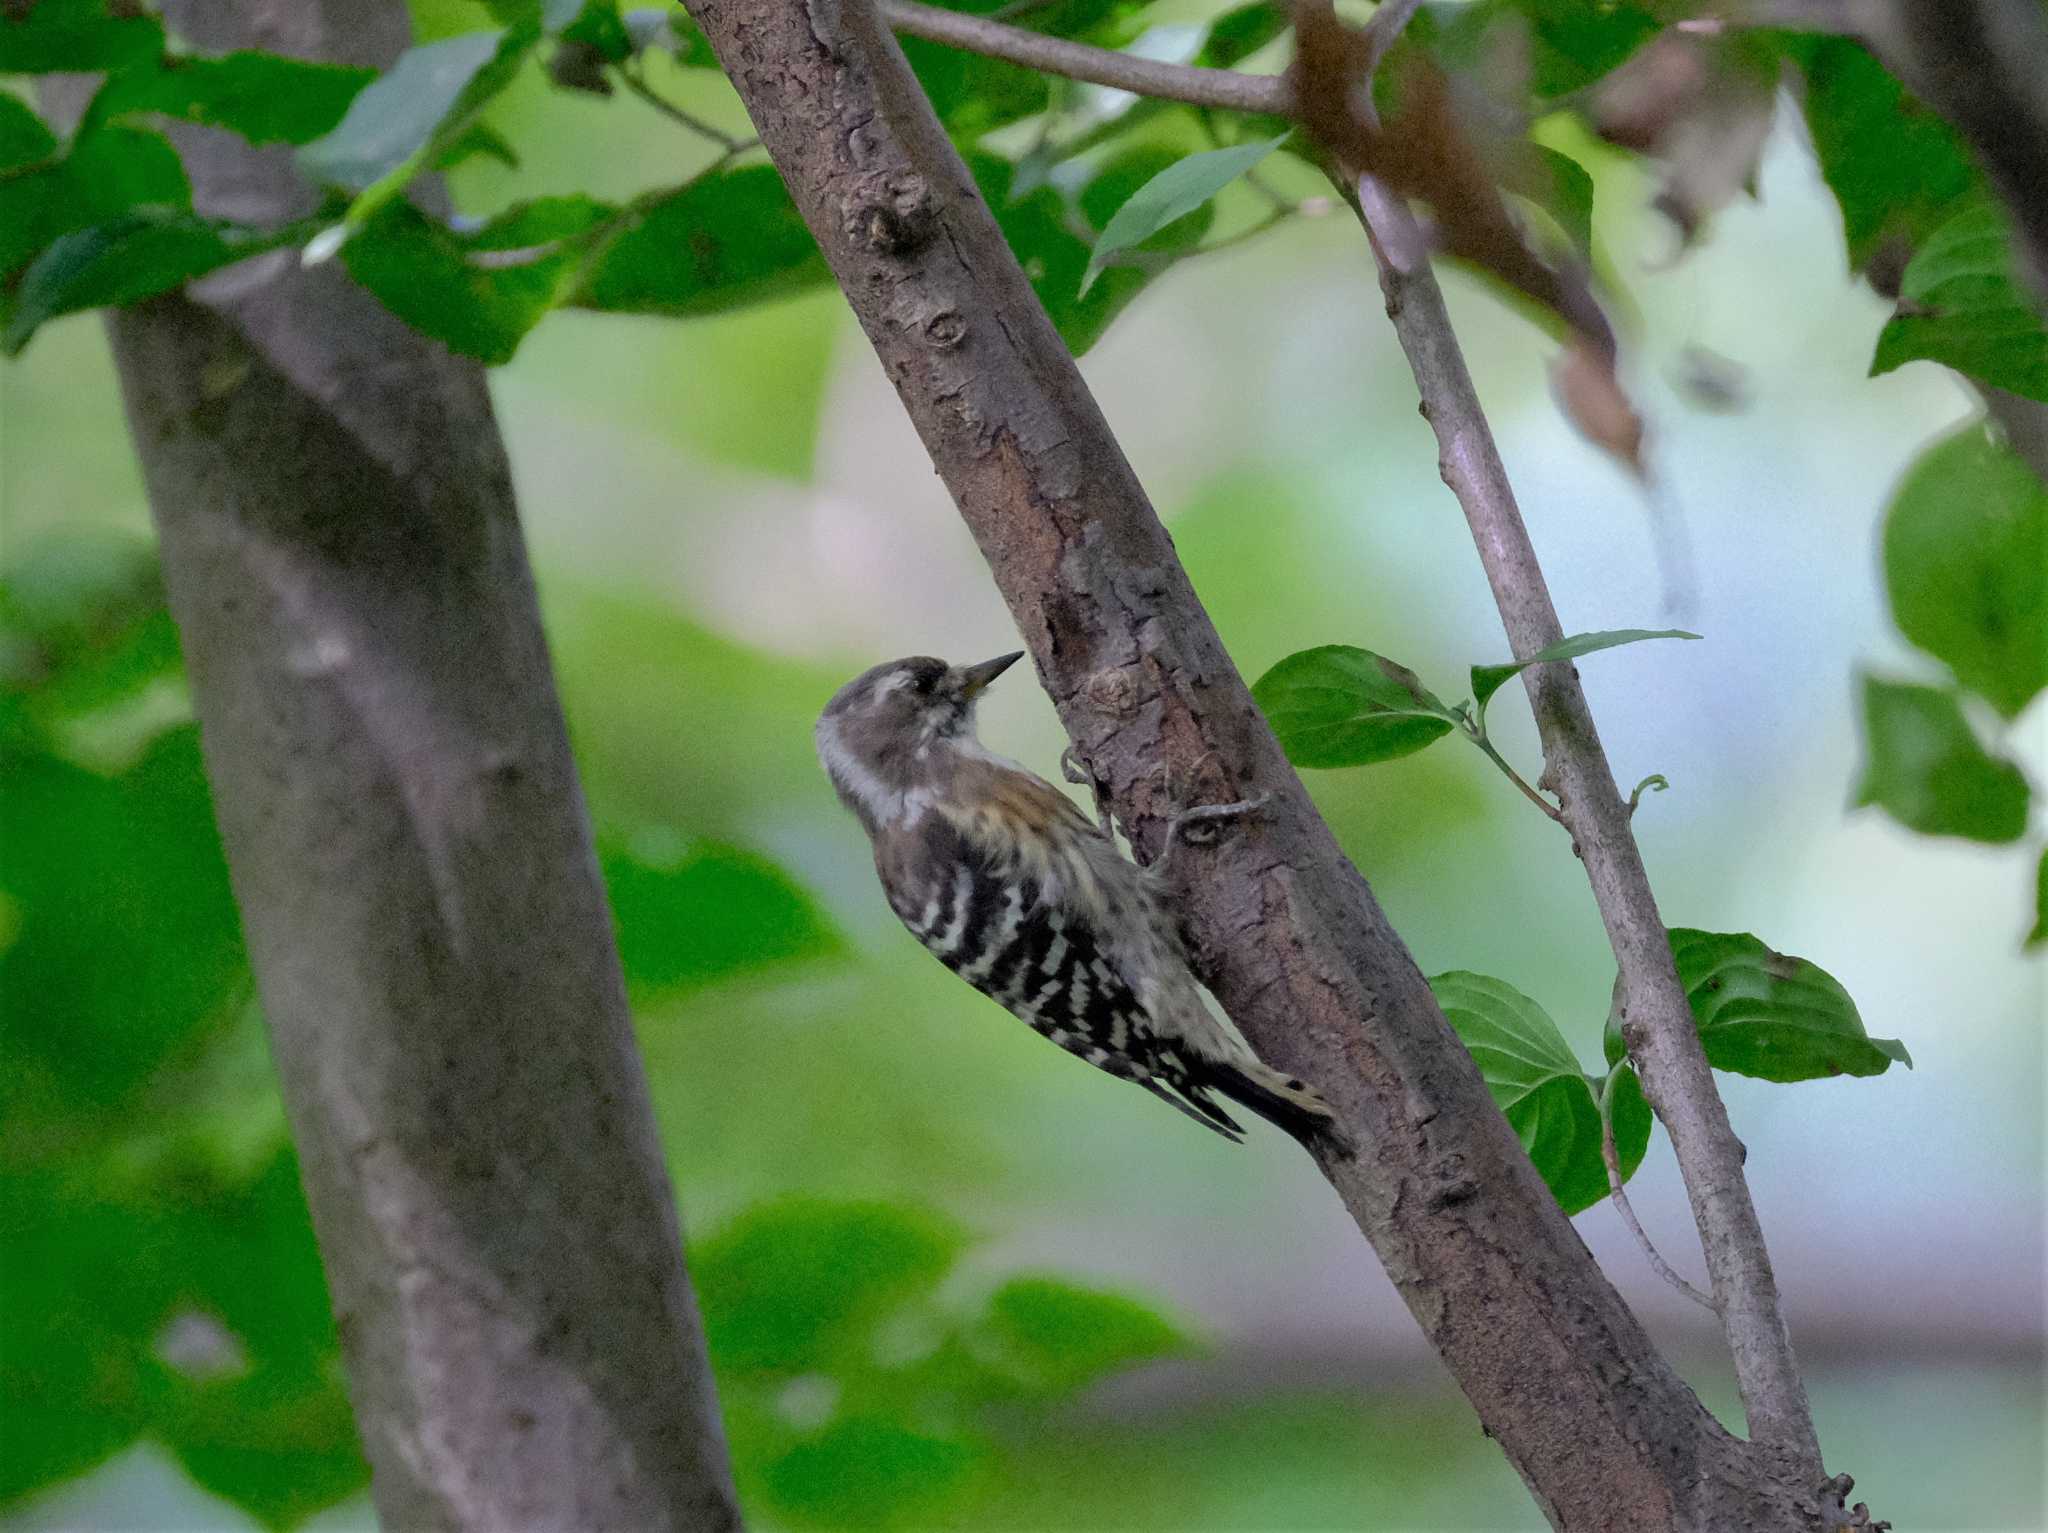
(413, 862)
(1601, 1429)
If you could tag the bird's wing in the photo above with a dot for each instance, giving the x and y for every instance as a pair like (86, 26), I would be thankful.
(1006, 923)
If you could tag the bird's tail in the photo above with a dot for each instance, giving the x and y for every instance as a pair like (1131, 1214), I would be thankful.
(1294, 1107)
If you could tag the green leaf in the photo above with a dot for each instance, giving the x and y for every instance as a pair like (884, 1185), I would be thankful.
(49, 36)
(1925, 768)
(136, 256)
(1121, 177)
(23, 136)
(1962, 304)
(789, 1284)
(719, 243)
(2038, 937)
(1564, 190)
(1966, 565)
(1060, 1338)
(1339, 706)
(261, 96)
(198, 1317)
(872, 1472)
(412, 117)
(392, 120)
(1238, 34)
(95, 866)
(1039, 228)
(477, 293)
(1174, 193)
(1771, 1016)
(1896, 169)
(1489, 679)
(108, 172)
(1536, 1081)
(694, 913)
(1569, 43)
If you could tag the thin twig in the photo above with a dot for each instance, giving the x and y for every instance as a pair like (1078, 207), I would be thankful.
(1612, 1156)
(1663, 1040)
(1224, 88)
(731, 143)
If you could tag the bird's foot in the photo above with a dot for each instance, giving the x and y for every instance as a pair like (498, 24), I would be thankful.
(1076, 771)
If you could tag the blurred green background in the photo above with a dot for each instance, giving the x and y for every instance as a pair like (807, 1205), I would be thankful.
(730, 516)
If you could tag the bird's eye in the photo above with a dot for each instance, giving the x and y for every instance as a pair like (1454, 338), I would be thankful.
(923, 682)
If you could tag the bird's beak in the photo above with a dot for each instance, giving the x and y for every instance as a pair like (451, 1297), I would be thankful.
(974, 679)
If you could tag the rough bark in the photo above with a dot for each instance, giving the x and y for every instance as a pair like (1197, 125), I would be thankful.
(413, 862)
(1288, 933)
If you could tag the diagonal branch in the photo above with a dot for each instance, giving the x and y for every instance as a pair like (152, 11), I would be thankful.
(1225, 89)
(1659, 1023)
(1288, 933)
(1657, 1019)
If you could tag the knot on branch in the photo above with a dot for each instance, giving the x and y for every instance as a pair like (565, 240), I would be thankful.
(1836, 1513)
(1115, 690)
(892, 215)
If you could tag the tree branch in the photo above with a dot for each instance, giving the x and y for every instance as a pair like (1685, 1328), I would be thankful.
(1657, 1020)
(1286, 931)
(1221, 88)
(413, 863)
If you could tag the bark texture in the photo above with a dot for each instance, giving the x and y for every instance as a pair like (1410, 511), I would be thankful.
(1291, 939)
(413, 862)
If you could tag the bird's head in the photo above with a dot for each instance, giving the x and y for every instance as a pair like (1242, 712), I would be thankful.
(889, 732)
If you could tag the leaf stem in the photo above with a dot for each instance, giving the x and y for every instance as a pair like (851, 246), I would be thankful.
(1612, 1157)
(1476, 733)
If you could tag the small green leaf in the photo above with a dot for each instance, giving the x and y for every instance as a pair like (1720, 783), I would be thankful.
(108, 172)
(1121, 177)
(477, 293)
(2038, 937)
(23, 137)
(1238, 34)
(49, 36)
(1966, 565)
(1058, 1338)
(1771, 1016)
(1924, 766)
(788, 1284)
(719, 243)
(1536, 1081)
(1489, 679)
(1039, 227)
(872, 1472)
(409, 119)
(1339, 706)
(136, 256)
(1174, 193)
(261, 96)
(698, 912)
(1561, 187)
(1897, 170)
(1962, 304)
(393, 118)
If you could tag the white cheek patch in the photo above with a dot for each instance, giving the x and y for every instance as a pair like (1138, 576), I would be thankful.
(852, 776)
(895, 681)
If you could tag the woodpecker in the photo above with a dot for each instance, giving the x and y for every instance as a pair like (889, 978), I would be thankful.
(1012, 887)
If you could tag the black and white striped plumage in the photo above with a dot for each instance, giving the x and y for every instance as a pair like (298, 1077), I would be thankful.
(1011, 887)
